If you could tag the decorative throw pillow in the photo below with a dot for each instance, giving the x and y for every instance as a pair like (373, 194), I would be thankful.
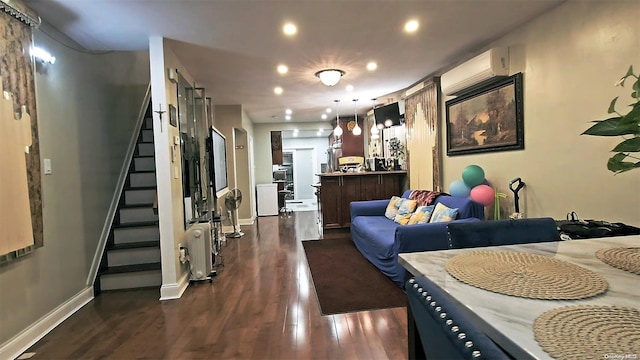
(406, 208)
(442, 213)
(422, 215)
(392, 208)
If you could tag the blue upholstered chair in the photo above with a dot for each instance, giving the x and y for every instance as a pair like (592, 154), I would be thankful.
(443, 328)
(502, 232)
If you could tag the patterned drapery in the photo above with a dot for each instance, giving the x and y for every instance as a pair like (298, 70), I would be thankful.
(424, 105)
(21, 226)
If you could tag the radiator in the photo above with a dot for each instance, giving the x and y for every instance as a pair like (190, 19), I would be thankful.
(200, 255)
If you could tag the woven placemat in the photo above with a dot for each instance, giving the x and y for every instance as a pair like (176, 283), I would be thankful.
(625, 258)
(589, 332)
(526, 275)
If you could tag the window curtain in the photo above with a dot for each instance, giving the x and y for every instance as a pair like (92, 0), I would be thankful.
(422, 113)
(21, 228)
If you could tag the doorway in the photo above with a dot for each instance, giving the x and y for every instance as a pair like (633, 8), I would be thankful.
(303, 173)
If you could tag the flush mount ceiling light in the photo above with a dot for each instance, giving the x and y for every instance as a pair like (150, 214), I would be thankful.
(330, 77)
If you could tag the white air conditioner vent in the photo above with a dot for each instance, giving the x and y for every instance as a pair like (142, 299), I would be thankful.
(489, 64)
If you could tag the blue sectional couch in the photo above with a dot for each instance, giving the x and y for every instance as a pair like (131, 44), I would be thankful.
(380, 240)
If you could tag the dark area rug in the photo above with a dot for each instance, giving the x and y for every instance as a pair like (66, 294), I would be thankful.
(345, 281)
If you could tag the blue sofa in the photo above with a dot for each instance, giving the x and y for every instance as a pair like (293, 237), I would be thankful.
(502, 232)
(380, 240)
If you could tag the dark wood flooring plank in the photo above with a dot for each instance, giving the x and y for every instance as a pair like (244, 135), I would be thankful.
(262, 305)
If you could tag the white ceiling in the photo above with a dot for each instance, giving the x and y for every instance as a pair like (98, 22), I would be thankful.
(232, 47)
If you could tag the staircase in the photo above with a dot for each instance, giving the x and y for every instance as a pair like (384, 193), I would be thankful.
(132, 253)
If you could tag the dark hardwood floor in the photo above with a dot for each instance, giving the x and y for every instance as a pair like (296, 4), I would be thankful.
(261, 306)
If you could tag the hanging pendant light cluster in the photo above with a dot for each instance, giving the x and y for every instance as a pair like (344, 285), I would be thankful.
(356, 130)
(374, 129)
(337, 132)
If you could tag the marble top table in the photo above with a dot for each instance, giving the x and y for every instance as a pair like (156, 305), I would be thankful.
(508, 320)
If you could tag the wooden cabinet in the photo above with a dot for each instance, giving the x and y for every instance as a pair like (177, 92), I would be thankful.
(330, 200)
(276, 147)
(375, 187)
(339, 190)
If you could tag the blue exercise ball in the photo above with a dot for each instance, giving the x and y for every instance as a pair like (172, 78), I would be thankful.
(459, 188)
(473, 175)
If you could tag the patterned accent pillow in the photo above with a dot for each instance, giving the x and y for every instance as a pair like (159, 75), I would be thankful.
(392, 208)
(422, 215)
(406, 208)
(443, 214)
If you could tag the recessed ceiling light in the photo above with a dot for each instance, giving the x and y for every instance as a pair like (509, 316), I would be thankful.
(372, 65)
(295, 134)
(411, 26)
(288, 111)
(349, 87)
(320, 130)
(283, 69)
(295, 131)
(319, 133)
(290, 29)
(324, 116)
(278, 90)
(287, 117)
(329, 110)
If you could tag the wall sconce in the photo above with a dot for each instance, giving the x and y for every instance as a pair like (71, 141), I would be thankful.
(42, 55)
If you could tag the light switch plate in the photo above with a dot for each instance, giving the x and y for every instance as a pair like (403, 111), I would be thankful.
(47, 167)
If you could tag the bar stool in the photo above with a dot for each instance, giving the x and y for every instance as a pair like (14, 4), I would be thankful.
(286, 195)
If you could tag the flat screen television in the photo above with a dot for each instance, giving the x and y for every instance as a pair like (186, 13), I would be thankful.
(218, 179)
(388, 112)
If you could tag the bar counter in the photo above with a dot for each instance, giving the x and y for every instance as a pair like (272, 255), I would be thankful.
(339, 189)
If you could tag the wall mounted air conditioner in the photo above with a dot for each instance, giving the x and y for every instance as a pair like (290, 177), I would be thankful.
(474, 72)
(200, 255)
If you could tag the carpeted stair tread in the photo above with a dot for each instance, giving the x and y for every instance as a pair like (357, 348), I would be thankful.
(137, 224)
(131, 268)
(140, 188)
(136, 206)
(135, 245)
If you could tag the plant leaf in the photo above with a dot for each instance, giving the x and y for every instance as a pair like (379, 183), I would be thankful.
(636, 89)
(633, 117)
(630, 71)
(616, 165)
(611, 127)
(612, 105)
(629, 145)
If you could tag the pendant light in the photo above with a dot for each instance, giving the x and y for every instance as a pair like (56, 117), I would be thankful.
(337, 132)
(356, 130)
(374, 128)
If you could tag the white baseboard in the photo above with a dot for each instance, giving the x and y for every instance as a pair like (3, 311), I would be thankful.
(175, 291)
(36, 331)
(248, 221)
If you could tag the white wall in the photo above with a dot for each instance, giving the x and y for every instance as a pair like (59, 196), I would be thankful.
(87, 106)
(570, 58)
(262, 145)
(318, 144)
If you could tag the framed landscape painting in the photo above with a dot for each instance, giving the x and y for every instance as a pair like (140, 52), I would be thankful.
(487, 119)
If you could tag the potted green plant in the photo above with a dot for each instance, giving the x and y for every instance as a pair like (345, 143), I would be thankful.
(627, 126)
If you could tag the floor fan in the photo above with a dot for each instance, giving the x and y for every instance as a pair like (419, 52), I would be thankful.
(232, 202)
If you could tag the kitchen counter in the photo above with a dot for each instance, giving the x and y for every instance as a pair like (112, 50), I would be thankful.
(339, 189)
